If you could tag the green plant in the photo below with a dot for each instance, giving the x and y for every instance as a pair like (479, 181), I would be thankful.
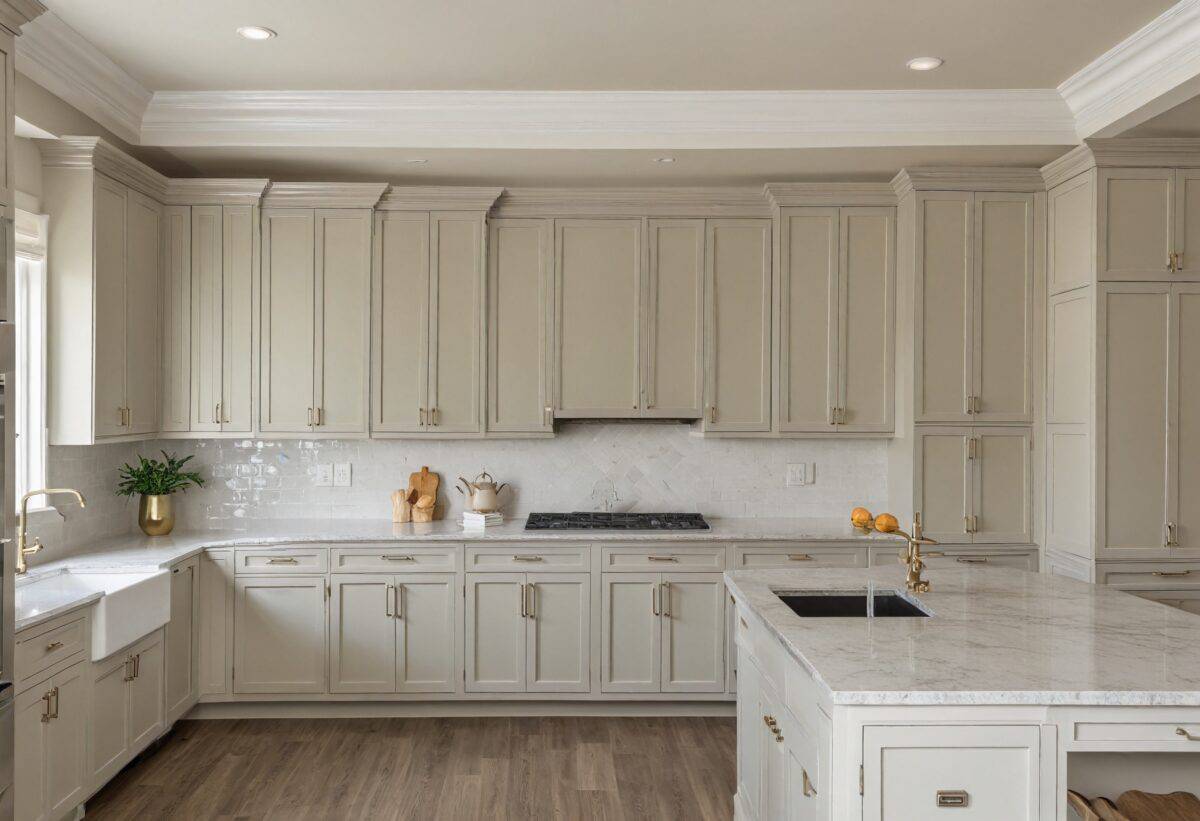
(151, 477)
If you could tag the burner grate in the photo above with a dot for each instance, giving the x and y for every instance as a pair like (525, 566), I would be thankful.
(588, 520)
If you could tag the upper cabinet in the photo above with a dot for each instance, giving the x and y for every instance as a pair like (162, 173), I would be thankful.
(673, 329)
(1147, 218)
(974, 307)
(835, 292)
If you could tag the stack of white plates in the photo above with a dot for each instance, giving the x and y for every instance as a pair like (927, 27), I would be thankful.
(472, 519)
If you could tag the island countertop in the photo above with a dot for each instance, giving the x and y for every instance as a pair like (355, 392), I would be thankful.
(996, 636)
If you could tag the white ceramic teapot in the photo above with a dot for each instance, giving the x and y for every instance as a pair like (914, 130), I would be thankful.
(483, 494)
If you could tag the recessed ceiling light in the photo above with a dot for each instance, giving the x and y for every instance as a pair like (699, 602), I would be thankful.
(256, 33)
(417, 161)
(664, 160)
(924, 63)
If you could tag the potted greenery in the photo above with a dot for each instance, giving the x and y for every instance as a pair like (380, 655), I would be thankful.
(155, 481)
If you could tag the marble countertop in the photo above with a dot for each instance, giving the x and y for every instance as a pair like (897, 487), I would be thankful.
(996, 636)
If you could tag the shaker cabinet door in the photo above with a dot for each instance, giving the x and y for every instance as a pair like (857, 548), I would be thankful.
(1184, 422)
(674, 319)
(495, 626)
(865, 322)
(456, 310)
(630, 636)
(400, 329)
(279, 635)
(362, 634)
(239, 270)
(29, 767)
(1003, 493)
(143, 256)
(207, 317)
(1137, 223)
(425, 639)
(66, 748)
(181, 656)
(111, 306)
(288, 321)
(942, 482)
(558, 655)
(693, 627)
(343, 287)
(944, 299)
(175, 371)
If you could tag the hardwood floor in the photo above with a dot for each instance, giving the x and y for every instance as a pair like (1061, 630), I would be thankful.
(433, 768)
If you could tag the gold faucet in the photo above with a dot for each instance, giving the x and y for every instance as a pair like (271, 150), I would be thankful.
(24, 549)
(911, 556)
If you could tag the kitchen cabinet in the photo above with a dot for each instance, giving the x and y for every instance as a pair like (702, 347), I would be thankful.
(836, 320)
(316, 273)
(737, 345)
(215, 633)
(1185, 600)
(528, 632)
(392, 634)
(1148, 218)
(428, 340)
(749, 742)
(974, 307)
(50, 775)
(175, 374)
(182, 688)
(279, 634)
(673, 330)
(973, 485)
(127, 707)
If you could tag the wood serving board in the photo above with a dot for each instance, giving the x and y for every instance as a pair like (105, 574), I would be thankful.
(426, 484)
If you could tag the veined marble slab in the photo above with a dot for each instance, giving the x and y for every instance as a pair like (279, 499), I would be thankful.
(997, 636)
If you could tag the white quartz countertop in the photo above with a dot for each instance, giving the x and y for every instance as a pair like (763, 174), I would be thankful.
(997, 636)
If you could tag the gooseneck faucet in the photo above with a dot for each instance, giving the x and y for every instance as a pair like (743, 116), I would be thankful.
(24, 549)
(911, 556)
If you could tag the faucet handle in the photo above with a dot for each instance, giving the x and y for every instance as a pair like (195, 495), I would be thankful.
(32, 546)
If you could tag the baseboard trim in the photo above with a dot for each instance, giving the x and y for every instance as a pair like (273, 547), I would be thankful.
(456, 709)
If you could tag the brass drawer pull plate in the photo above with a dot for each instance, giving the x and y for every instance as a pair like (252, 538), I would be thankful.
(52, 646)
(1172, 572)
(526, 558)
(284, 560)
(401, 558)
(663, 558)
(952, 798)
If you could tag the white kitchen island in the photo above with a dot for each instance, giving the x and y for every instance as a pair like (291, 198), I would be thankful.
(1015, 687)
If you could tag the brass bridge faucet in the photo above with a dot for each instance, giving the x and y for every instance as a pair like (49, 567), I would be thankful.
(911, 556)
(23, 549)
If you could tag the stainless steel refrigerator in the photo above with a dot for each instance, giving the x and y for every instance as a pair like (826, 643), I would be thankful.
(8, 390)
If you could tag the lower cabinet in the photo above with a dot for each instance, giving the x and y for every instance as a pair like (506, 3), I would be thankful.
(182, 687)
(128, 698)
(279, 634)
(393, 634)
(1186, 600)
(528, 632)
(663, 633)
(50, 770)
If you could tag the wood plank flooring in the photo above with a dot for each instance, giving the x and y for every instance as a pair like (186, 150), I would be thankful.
(432, 768)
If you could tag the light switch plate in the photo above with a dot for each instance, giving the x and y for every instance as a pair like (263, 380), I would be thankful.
(341, 474)
(797, 474)
(323, 475)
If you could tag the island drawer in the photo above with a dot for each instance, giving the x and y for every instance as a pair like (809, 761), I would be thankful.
(409, 559)
(1150, 575)
(528, 559)
(642, 558)
(756, 556)
(1019, 558)
(1182, 735)
(762, 646)
(48, 645)
(281, 562)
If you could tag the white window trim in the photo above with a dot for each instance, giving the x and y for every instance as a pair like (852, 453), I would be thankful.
(31, 311)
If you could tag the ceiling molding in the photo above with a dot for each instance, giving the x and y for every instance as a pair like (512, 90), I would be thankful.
(93, 153)
(1075, 162)
(214, 192)
(56, 57)
(633, 202)
(1021, 180)
(1139, 152)
(788, 194)
(324, 194)
(1152, 70)
(608, 119)
(438, 198)
(16, 13)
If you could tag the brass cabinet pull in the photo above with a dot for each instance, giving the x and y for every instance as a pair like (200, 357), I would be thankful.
(548, 415)
(527, 557)
(972, 447)
(969, 402)
(433, 417)
(712, 414)
(654, 600)
(665, 601)
(421, 415)
(531, 591)
(769, 721)
(840, 415)
(970, 559)
(46, 706)
(1172, 572)
(1186, 734)
(388, 599)
(952, 798)
(966, 524)
(654, 558)
(799, 557)
(282, 560)
(398, 591)
(54, 645)
(1172, 536)
(772, 726)
(216, 417)
(404, 557)
(524, 610)
(129, 669)
(1171, 262)
(808, 788)
(320, 416)
(137, 665)
(310, 417)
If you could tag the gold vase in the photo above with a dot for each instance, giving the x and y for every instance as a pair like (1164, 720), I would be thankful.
(156, 515)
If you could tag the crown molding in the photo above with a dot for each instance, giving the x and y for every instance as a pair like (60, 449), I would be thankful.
(1075, 162)
(16, 13)
(323, 194)
(1154, 69)
(632, 202)
(985, 178)
(93, 153)
(1141, 152)
(788, 194)
(438, 198)
(214, 192)
(56, 57)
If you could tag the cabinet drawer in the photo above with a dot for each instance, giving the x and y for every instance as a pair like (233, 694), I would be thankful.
(38, 652)
(634, 559)
(1158, 733)
(286, 561)
(414, 559)
(751, 557)
(1021, 559)
(1151, 575)
(528, 559)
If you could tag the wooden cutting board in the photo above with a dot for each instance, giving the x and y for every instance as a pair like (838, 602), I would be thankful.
(1143, 806)
(425, 484)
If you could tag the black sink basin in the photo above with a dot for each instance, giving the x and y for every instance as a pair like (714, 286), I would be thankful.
(887, 604)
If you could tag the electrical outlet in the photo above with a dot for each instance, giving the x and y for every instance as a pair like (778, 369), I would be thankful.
(323, 475)
(797, 474)
(341, 474)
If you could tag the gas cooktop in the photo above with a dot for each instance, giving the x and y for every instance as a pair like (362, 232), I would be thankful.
(615, 521)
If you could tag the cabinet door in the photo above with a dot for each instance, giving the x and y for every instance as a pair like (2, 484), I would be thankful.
(495, 639)
(674, 329)
(216, 622)
(108, 741)
(182, 689)
(737, 258)
(240, 234)
(65, 740)
(749, 736)
(803, 798)
(456, 310)
(208, 281)
(362, 634)
(400, 330)
(1002, 332)
(597, 276)
(279, 635)
(1133, 367)
(693, 629)
(110, 306)
(520, 300)
(146, 695)
(865, 321)
(288, 321)
(808, 318)
(30, 764)
(773, 758)
(343, 277)
(1136, 216)
(425, 611)
(942, 482)
(1187, 224)
(1184, 421)
(631, 641)
(176, 291)
(559, 650)
(944, 305)
(1002, 486)
(143, 256)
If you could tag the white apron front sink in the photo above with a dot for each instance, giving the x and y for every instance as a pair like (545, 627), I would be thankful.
(133, 605)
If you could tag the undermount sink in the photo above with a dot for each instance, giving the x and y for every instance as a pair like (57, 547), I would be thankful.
(852, 603)
(133, 605)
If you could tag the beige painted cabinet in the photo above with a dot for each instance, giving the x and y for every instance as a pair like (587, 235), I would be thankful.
(836, 320)
(50, 766)
(175, 288)
(974, 307)
(428, 330)
(673, 320)
(215, 633)
(279, 634)
(1148, 217)
(182, 688)
(737, 345)
(393, 634)
(127, 707)
(316, 272)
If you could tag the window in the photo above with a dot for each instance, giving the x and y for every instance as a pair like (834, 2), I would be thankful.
(30, 320)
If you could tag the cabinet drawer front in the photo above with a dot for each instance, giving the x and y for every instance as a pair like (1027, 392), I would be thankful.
(1019, 559)
(289, 561)
(1119, 733)
(33, 654)
(528, 559)
(672, 559)
(414, 559)
(798, 556)
(1151, 575)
